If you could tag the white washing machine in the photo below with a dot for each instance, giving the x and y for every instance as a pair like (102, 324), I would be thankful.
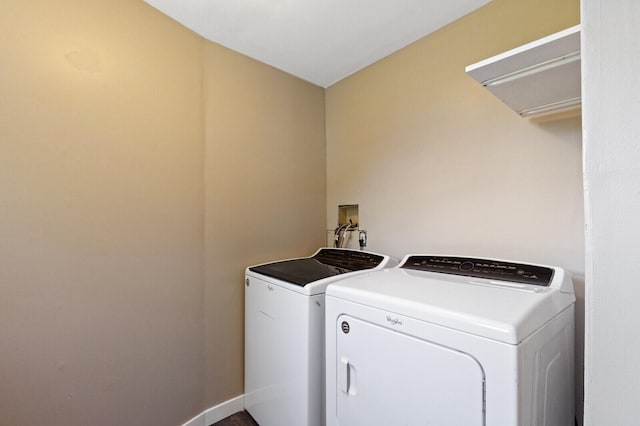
(451, 341)
(284, 333)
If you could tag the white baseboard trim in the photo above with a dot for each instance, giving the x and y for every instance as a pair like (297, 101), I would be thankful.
(217, 413)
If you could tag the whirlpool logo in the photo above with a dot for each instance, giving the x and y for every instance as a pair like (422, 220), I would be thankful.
(394, 321)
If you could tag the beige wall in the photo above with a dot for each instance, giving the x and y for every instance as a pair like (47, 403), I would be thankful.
(439, 165)
(265, 193)
(113, 210)
(100, 215)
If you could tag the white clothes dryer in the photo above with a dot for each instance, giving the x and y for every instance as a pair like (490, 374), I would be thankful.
(451, 341)
(284, 333)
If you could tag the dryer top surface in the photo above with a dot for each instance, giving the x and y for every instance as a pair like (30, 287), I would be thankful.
(500, 310)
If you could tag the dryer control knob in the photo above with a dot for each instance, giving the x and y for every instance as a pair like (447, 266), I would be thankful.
(466, 266)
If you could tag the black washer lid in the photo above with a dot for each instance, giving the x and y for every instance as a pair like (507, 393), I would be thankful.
(325, 263)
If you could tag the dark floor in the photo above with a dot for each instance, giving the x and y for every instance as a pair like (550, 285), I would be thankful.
(241, 418)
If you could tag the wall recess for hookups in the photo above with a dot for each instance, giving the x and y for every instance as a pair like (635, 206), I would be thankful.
(348, 215)
(348, 222)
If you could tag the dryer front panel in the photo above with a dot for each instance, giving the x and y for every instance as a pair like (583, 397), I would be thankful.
(385, 377)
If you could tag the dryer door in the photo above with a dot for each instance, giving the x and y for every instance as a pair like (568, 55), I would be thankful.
(388, 378)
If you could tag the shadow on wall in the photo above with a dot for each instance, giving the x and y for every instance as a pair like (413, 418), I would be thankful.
(578, 288)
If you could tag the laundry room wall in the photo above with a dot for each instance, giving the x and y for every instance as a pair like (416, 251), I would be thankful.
(100, 215)
(265, 189)
(141, 169)
(439, 165)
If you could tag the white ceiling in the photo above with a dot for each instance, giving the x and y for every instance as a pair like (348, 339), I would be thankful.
(320, 41)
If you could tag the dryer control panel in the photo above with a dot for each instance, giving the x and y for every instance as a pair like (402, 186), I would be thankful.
(482, 268)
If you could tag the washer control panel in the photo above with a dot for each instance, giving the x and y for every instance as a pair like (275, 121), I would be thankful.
(349, 260)
(482, 268)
